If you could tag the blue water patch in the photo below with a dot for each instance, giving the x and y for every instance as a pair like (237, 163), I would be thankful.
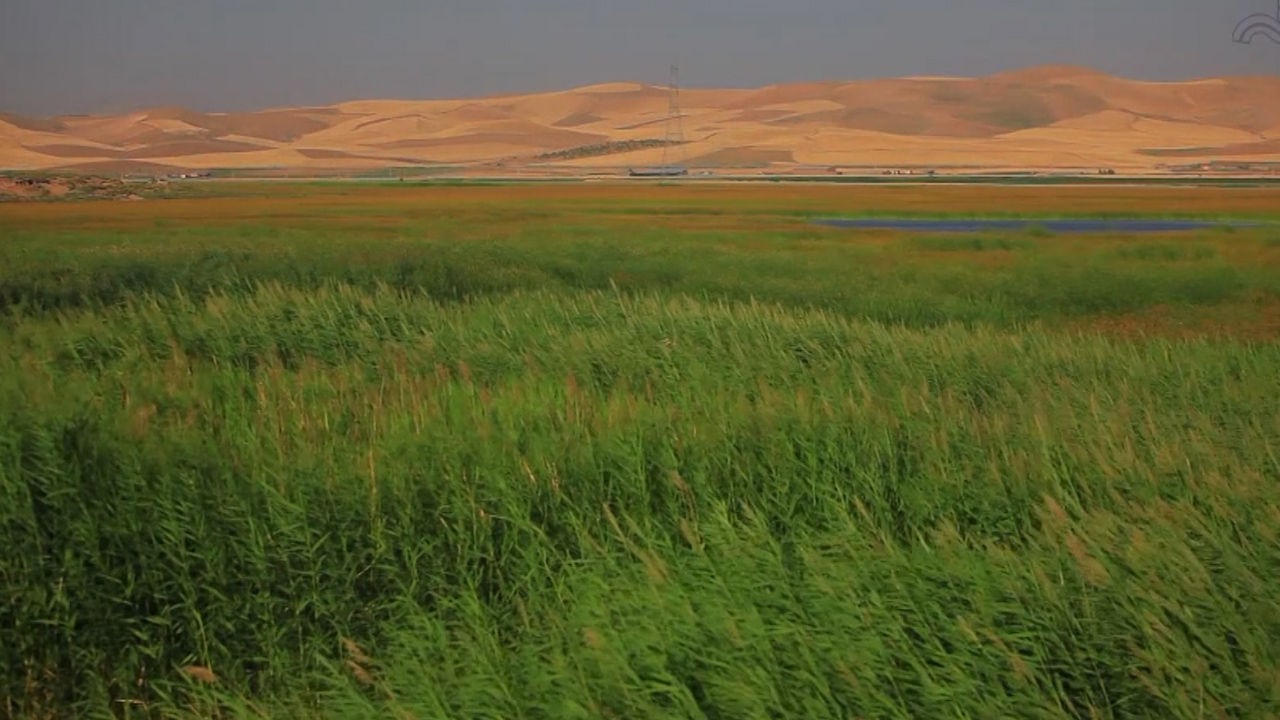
(1054, 226)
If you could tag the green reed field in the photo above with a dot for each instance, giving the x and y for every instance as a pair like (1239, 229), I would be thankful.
(636, 452)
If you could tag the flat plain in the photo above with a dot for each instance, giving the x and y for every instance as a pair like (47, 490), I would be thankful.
(637, 450)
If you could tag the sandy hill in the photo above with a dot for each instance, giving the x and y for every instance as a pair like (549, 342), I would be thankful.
(1044, 117)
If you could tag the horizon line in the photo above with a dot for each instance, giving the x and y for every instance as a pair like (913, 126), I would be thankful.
(1079, 69)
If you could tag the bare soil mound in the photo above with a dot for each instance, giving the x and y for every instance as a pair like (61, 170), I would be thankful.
(75, 187)
(116, 168)
(49, 125)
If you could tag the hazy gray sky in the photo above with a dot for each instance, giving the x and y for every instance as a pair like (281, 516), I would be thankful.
(65, 56)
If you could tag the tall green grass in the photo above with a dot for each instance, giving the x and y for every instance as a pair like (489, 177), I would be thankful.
(522, 462)
(353, 500)
(969, 242)
(1042, 279)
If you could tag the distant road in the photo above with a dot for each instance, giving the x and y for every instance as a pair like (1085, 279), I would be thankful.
(1004, 181)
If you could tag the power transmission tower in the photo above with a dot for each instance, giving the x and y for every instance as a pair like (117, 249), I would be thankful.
(673, 146)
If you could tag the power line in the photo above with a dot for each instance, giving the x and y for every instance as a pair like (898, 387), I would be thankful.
(673, 153)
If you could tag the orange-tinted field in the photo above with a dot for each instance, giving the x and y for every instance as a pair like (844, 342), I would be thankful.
(744, 240)
(249, 201)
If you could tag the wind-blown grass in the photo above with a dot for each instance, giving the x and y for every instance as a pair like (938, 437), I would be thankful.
(269, 469)
(1040, 279)
(644, 506)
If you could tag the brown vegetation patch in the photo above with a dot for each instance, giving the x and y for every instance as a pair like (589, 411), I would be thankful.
(322, 154)
(576, 120)
(284, 126)
(75, 187)
(761, 115)
(184, 148)
(1262, 147)
(743, 157)
(602, 149)
(1252, 319)
(11, 189)
(133, 136)
(557, 140)
(76, 151)
(275, 125)
(644, 123)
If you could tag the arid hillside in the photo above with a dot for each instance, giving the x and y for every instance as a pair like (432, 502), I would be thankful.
(1040, 118)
